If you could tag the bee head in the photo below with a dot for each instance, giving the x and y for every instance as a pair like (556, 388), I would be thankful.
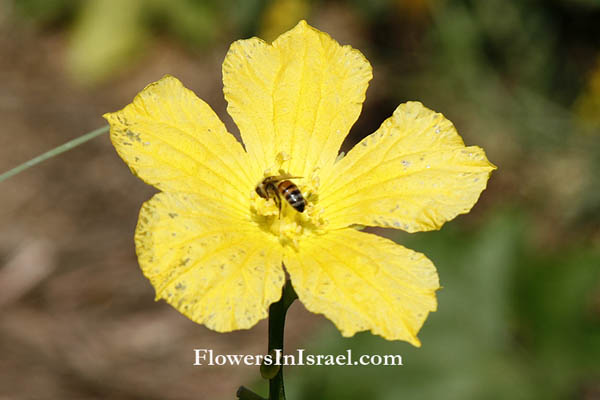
(260, 190)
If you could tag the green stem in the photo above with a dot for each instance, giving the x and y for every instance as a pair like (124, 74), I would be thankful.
(277, 313)
(54, 152)
(274, 373)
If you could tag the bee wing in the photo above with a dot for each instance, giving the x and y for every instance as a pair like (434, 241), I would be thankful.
(284, 177)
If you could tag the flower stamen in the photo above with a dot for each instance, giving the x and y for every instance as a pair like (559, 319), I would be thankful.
(283, 220)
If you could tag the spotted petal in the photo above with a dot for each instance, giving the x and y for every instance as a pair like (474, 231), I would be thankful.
(363, 282)
(174, 141)
(413, 173)
(299, 96)
(217, 270)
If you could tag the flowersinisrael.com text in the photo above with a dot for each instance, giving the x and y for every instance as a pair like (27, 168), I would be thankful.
(208, 357)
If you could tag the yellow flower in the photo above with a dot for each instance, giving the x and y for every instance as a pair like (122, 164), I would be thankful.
(213, 248)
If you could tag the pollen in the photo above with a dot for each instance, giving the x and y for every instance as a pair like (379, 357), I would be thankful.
(286, 223)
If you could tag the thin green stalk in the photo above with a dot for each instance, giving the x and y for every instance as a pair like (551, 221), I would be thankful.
(277, 313)
(54, 152)
(274, 373)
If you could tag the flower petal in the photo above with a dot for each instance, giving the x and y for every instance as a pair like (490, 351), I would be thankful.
(414, 173)
(299, 96)
(362, 281)
(217, 270)
(173, 140)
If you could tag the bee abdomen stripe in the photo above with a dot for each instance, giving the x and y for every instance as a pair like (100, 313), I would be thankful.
(286, 185)
(292, 193)
(296, 200)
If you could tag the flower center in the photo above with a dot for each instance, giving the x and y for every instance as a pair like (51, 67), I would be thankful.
(286, 205)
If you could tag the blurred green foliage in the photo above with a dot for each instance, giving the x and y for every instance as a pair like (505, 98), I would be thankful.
(109, 35)
(46, 11)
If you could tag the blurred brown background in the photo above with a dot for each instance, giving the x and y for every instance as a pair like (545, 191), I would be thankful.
(520, 310)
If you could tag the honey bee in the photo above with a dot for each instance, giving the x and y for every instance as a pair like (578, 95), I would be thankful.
(279, 186)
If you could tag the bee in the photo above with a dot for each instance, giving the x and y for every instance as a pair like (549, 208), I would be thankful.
(279, 186)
